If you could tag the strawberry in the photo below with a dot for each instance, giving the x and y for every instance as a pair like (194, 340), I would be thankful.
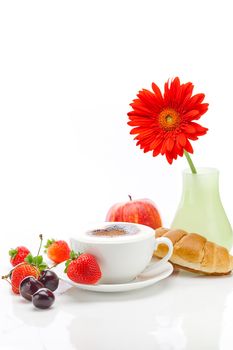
(32, 266)
(83, 268)
(57, 251)
(18, 255)
(20, 272)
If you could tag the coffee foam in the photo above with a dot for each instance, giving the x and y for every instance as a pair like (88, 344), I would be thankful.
(114, 230)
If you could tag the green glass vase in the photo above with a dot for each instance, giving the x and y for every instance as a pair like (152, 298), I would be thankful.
(201, 210)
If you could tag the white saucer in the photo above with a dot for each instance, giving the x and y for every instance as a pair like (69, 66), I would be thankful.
(146, 278)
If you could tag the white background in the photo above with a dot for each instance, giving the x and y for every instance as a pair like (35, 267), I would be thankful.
(68, 71)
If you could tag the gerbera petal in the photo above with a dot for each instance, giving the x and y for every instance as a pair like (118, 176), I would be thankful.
(137, 130)
(152, 98)
(185, 92)
(196, 99)
(149, 100)
(177, 149)
(142, 119)
(188, 128)
(171, 92)
(174, 91)
(136, 113)
(144, 145)
(166, 94)
(188, 147)
(200, 130)
(144, 135)
(169, 157)
(142, 109)
(191, 114)
(181, 139)
(170, 144)
(164, 147)
(157, 150)
(155, 143)
(146, 149)
(203, 108)
(174, 155)
(158, 93)
(192, 137)
(142, 122)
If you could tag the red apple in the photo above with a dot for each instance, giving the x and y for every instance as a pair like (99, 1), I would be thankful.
(140, 211)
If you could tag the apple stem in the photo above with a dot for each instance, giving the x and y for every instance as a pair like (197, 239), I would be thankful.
(130, 197)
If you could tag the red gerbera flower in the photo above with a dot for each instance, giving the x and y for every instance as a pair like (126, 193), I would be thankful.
(165, 123)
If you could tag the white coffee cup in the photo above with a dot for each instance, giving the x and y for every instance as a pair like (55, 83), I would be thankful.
(121, 257)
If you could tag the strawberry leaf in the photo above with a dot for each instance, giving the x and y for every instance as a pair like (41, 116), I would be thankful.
(29, 258)
(67, 263)
(49, 243)
(42, 266)
(73, 256)
(36, 261)
(13, 253)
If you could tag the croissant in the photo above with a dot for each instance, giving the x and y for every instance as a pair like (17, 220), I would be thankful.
(194, 253)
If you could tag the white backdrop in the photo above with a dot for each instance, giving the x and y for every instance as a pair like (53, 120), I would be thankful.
(68, 71)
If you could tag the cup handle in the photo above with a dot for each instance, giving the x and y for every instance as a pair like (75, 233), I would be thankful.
(168, 242)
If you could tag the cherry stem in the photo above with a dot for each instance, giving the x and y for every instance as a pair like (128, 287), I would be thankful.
(51, 267)
(6, 278)
(190, 162)
(130, 197)
(41, 240)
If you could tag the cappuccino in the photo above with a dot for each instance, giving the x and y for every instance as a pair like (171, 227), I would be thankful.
(114, 230)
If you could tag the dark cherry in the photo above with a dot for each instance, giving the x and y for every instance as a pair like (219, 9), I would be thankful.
(29, 286)
(49, 279)
(43, 298)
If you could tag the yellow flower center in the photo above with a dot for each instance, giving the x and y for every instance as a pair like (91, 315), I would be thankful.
(169, 119)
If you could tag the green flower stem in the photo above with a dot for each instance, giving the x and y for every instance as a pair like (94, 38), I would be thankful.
(192, 167)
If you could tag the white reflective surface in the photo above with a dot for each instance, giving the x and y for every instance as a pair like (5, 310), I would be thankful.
(151, 275)
(182, 312)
